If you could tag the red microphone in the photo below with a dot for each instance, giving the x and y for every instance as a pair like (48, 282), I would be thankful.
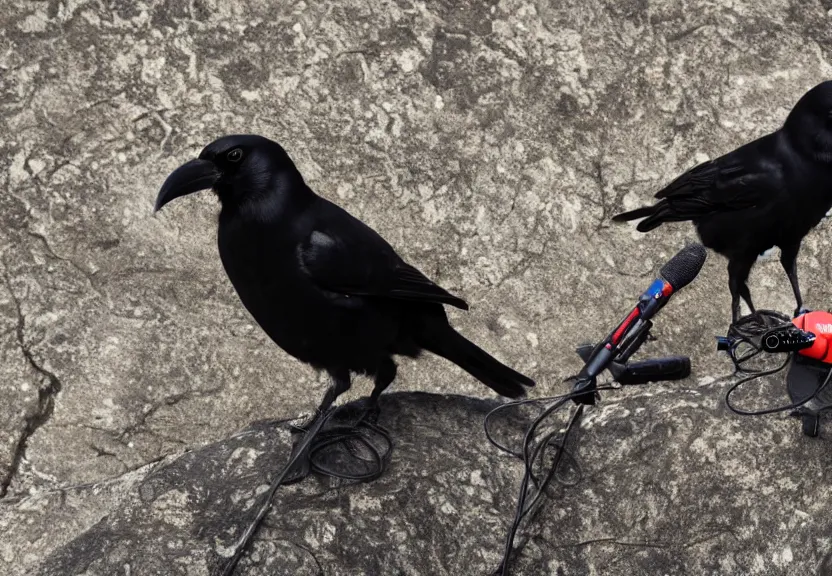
(631, 333)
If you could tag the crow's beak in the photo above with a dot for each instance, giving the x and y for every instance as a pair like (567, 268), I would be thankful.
(191, 177)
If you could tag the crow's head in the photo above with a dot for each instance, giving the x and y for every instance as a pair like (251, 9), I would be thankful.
(809, 124)
(239, 168)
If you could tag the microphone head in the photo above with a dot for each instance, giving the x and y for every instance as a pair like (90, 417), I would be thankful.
(683, 268)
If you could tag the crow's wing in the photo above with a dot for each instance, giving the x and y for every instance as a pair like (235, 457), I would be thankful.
(344, 255)
(748, 177)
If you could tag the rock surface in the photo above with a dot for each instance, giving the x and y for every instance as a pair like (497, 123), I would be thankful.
(669, 485)
(489, 142)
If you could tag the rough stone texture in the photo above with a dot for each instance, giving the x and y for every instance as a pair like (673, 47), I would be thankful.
(669, 485)
(488, 141)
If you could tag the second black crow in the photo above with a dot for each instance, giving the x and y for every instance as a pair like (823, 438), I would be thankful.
(769, 192)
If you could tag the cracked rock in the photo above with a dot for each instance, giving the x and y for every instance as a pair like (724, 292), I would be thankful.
(668, 485)
(489, 142)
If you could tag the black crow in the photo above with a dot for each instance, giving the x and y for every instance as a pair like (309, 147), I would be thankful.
(324, 286)
(769, 192)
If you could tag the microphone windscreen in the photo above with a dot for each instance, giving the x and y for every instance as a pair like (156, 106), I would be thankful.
(684, 267)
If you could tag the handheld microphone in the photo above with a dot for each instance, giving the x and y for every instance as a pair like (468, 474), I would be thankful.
(651, 370)
(631, 333)
(644, 371)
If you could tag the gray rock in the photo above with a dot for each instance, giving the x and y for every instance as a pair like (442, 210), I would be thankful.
(668, 485)
(489, 142)
(183, 515)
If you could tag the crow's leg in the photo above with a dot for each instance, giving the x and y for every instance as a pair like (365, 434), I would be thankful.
(738, 271)
(303, 465)
(746, 295)
(788, 258)
(384, 377)
(340, 384)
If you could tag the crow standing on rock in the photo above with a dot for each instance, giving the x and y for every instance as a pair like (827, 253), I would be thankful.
(324, 286)
(769, 192)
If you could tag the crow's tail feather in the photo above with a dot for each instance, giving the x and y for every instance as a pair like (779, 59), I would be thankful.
(654, 216)
(642, 212)
(441, 339)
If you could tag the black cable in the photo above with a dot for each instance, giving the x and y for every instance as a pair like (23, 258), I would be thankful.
(751, 330)
(534, 453)
(349, 435)
(245, 539)
(753, 376)
(316, 441)
(739, 361)
(786, 408)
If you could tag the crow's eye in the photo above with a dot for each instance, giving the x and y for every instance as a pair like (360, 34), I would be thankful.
(235, 155)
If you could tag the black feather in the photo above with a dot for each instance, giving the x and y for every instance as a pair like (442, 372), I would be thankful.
(325, 287)
(769, 192)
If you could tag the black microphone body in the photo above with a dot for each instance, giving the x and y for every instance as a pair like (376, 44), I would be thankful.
(643, 371)
(630, 333)
(652, 370)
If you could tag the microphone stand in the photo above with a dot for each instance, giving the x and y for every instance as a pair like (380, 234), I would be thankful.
(668, 368)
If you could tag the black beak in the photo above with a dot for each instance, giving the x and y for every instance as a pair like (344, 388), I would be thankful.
(191, 177)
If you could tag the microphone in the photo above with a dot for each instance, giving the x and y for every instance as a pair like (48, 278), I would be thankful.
(645, 371)
(652, 370)
(632, 332)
